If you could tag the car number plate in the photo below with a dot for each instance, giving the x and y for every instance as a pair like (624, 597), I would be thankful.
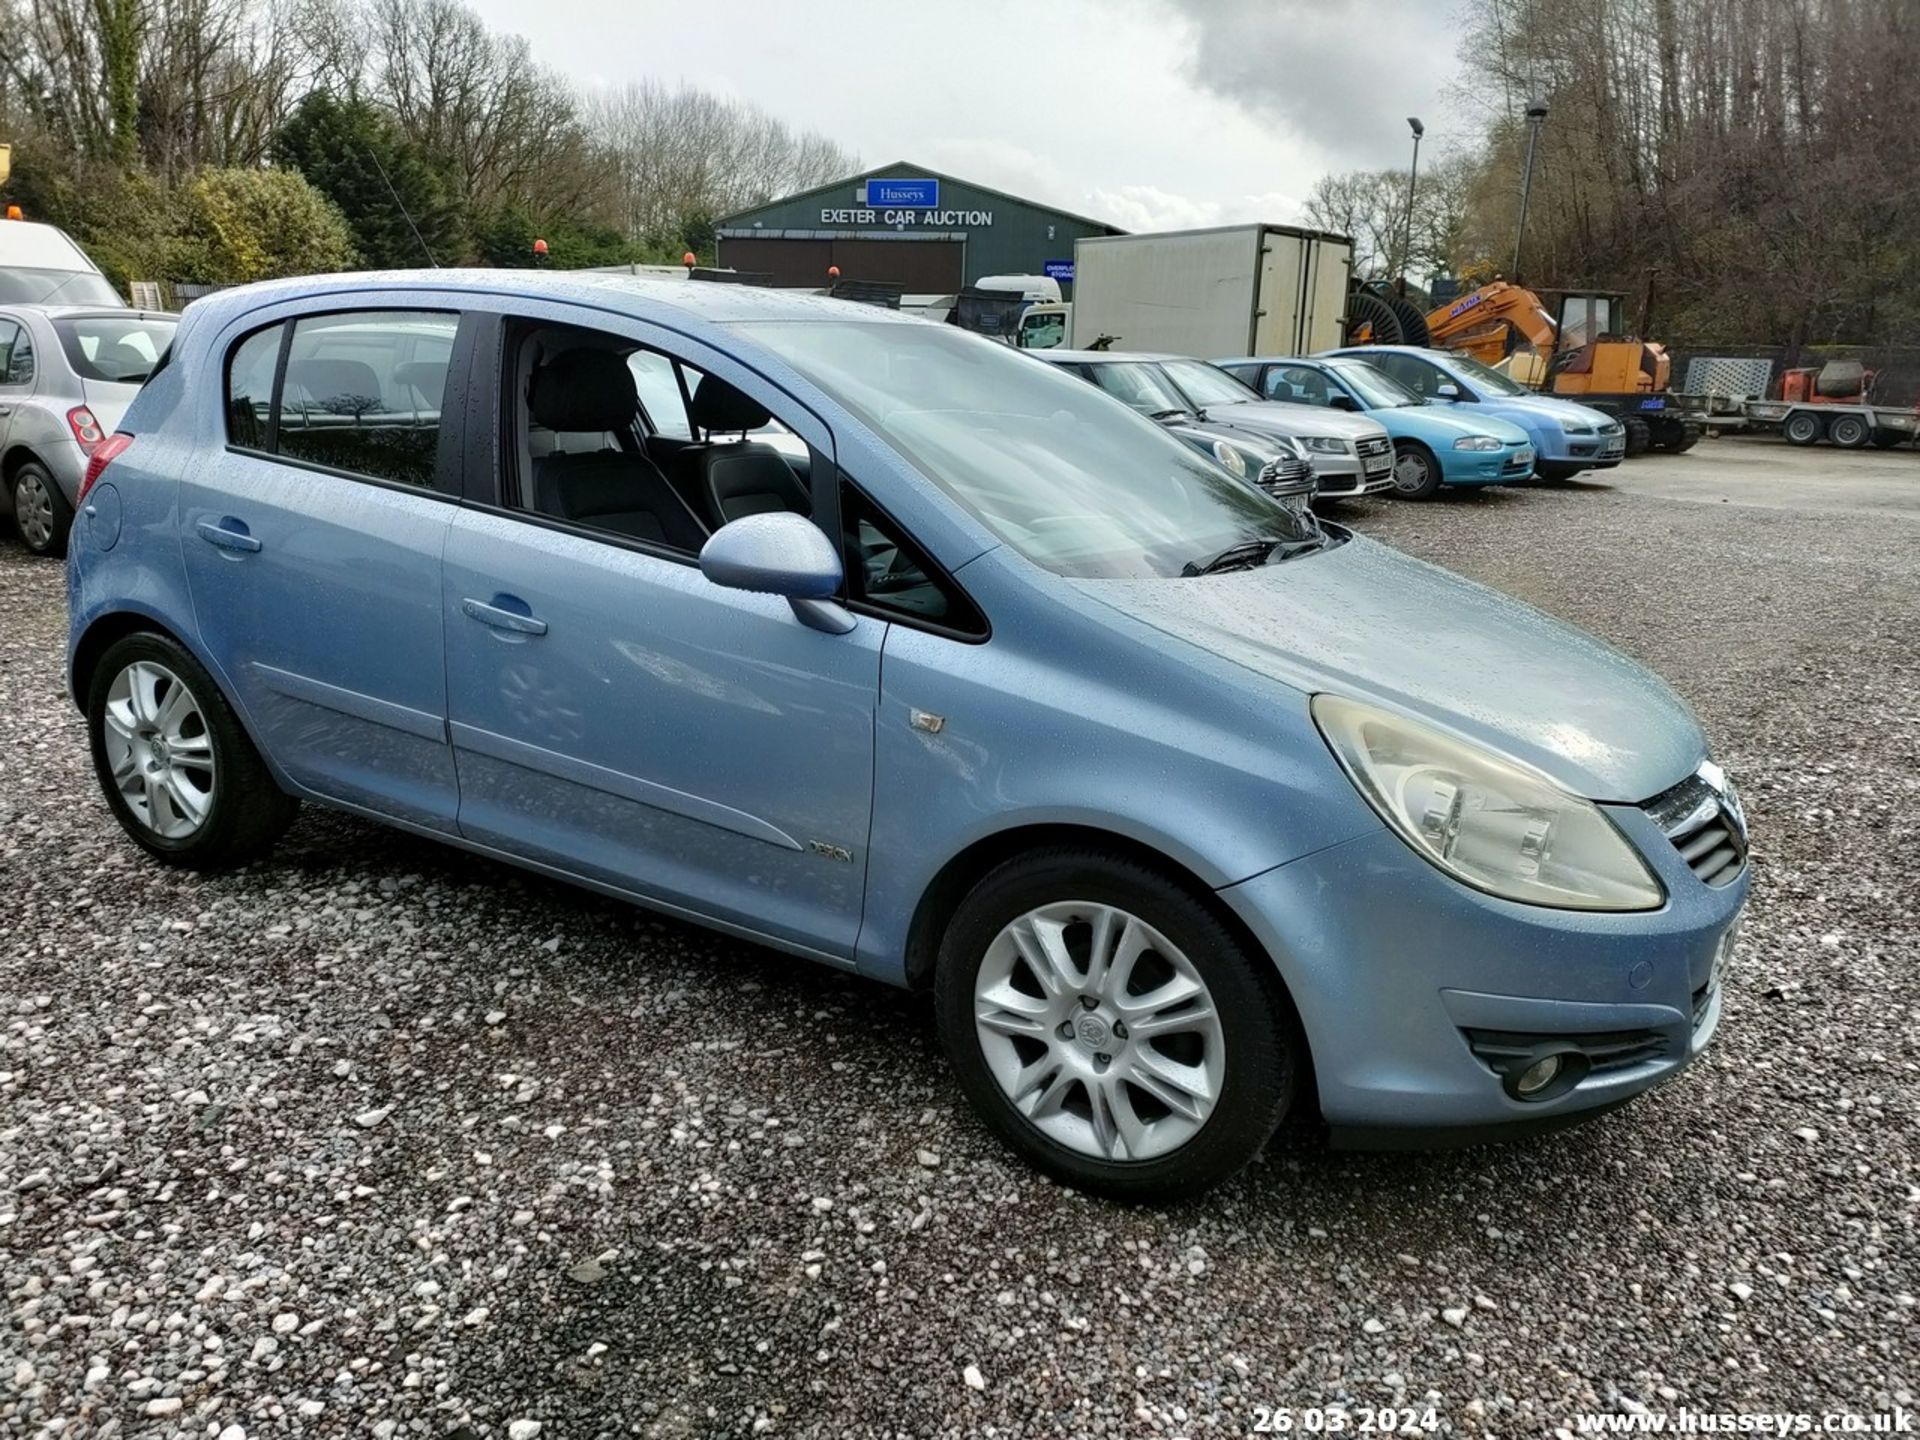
(1378, 465)
(1524, 454)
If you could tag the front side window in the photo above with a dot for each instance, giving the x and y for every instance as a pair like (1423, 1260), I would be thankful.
(1069, 479)
(1206, 384)
(1298, 384)
(888, 573)
(117, 349)
(1376, 387)
(1485, 378)
(1422, 377)
(1139, 387)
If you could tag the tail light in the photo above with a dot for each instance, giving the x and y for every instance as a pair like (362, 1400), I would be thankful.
(85, 428)
(97, 461)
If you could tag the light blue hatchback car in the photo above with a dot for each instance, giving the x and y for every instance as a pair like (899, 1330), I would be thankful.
(1567, 437)
(1433, 445)
(879, 643)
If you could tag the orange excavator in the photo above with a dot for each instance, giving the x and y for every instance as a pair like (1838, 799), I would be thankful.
(1584, 354)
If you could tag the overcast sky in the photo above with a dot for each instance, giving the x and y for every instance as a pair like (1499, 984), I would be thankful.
(1148, 113)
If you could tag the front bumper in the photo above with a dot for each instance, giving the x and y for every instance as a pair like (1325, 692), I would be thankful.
(1487, 467)
(1398, 971)
(1343, 477)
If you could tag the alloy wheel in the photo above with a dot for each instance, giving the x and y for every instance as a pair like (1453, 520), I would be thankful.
(1100, 1031)
(159, 749)
(33, 509)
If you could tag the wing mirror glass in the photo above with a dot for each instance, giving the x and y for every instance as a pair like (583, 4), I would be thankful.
(785, 555)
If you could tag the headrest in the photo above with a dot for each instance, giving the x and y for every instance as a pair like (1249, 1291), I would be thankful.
(719, 406)
(583, 390)
(428, 377)
(323, 381)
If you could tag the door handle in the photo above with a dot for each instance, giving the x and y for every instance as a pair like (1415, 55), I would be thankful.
(227, 536)
(501, 619)
(5, 410)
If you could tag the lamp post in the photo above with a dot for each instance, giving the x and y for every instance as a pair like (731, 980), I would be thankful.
(1536, 115)
(1413, 173)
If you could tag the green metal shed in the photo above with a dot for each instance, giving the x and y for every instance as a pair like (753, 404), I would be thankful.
(927, 232)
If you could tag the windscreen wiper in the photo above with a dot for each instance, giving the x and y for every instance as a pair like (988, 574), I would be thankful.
(1245, 554)
(1169, 414)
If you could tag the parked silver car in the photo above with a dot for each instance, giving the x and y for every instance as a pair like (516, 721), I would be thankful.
(1351, 454)
(67, 372)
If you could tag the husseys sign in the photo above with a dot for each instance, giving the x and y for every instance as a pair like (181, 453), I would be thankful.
(902, 202)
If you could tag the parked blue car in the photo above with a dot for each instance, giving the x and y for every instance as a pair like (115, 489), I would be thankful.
(959, 674)
(1567, 437)
(1432, 445)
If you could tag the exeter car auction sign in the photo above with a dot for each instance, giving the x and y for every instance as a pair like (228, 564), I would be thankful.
(900, 203)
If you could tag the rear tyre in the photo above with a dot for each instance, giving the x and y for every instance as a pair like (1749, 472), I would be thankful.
(40, 510)
(1416, 474)
(1639, 435)
(1801, 428)
(179, 773)
(1849, 432)
(1110, 1028)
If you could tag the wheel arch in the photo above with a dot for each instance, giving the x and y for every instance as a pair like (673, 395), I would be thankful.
(17, 455)
(949, 886)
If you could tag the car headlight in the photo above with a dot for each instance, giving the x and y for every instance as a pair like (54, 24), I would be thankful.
(1476, 442)
(1488, 821)
(1232, 459)
(1328, 445)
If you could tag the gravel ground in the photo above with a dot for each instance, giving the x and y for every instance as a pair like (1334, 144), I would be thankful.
(377, 1138)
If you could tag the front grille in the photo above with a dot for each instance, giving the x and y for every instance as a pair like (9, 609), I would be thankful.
(1695, 817)
(1288, 472)
(1502, 1050)
(1376, 455)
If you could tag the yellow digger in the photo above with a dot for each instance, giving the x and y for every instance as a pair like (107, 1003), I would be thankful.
(1578, 349)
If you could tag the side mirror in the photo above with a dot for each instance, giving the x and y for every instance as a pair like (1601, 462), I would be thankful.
(1446, 392)
(780, 554)
(1341, 402)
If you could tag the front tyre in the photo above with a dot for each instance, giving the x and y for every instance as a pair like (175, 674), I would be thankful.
(1416, 474)
(179, 773)
(1111, 1028)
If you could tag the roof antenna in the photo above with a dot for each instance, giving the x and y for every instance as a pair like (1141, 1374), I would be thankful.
(435, 264)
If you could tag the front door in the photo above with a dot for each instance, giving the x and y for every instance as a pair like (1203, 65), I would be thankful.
(614, 714)
(312, 545)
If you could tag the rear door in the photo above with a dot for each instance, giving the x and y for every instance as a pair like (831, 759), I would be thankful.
(313, 544)
(16, 373)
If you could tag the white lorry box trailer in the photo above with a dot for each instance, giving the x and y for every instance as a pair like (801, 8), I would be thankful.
(1234, 290)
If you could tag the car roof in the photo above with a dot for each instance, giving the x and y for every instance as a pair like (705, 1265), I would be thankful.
(714, 302)
(103, 312)
(1097, 357)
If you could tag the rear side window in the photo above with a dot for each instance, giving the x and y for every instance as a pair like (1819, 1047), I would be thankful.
(19, 368)
(358, 392)
(250, 389)
(362, 393)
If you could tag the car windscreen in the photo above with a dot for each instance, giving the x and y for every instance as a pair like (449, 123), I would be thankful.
(56, 287)
(1066, 475)
(1206, 385)
(121, 349)
(1138, 386)
(1484, 378)
(1376, 387)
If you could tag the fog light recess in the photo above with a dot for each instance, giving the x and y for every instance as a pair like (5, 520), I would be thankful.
(1546, 1073)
